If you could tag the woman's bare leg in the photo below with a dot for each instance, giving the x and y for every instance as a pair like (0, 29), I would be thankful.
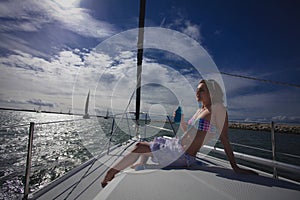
(141, 148)
(143, 161)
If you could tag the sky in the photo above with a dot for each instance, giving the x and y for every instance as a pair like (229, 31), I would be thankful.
(52, 52)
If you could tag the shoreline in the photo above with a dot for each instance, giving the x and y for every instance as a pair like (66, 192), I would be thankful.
(255, 126)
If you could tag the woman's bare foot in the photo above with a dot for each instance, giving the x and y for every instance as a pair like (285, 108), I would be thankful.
(103, 184)
(109, 176)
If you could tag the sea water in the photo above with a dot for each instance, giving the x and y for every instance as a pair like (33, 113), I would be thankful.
(61, 146)
(57, 147)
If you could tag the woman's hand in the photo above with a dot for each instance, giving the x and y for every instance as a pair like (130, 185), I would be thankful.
(244, 171)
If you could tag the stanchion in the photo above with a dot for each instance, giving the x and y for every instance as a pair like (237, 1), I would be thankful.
(28, 162)
(273, 149)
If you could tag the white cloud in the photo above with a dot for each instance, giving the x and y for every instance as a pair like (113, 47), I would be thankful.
(266, 105)
(68, 3)
(31, 15)
(185, 26)
(193, 30)
(234, 85)
(22, 15)
(14, 44)
(27, 80)
(68, 58)
(77, 19)
(285, 119)
(24, 77)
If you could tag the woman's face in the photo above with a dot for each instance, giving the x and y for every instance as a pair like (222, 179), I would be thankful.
(202, 93)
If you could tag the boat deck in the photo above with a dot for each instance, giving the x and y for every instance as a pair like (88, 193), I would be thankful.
(213, 179)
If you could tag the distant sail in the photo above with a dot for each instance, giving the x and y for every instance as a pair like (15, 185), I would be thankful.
(86, 114)
(39, 110)
(107, 114)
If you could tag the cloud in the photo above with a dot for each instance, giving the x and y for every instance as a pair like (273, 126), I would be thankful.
(234, 85)
(264, 104)
(77, 19)
(185, 26)
(192, 30)
(25, 61)
(39, 102)
(250, 100)
(30, 80)
(290, 119)
(21, 16)
(25, 78)
(13, 44)
(69, 58)
(218, 32)
(31, 16)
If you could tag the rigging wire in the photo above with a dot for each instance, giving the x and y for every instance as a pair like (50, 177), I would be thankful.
(261, 80)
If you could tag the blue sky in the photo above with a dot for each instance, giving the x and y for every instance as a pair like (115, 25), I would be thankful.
(48, 57)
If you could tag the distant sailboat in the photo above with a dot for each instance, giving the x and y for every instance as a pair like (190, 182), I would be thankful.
(86, 114)
(39, 110)
(107, 114)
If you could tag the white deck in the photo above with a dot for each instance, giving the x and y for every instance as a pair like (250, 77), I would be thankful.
(213, 180)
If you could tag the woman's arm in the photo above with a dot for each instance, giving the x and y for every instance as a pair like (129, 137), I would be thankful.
(228, 150)
(227, 147)
(183, 124)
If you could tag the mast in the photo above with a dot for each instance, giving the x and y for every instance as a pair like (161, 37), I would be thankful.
(140, 45)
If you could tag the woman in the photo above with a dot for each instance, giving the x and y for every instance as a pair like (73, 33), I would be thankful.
(209, 121)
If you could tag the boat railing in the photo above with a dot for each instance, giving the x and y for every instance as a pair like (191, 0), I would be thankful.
(258, 160)
(265, 150)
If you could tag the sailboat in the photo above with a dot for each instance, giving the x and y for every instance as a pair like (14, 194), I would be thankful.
(211, 178)
(39, 110)
(86, 110)
(107, 115)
